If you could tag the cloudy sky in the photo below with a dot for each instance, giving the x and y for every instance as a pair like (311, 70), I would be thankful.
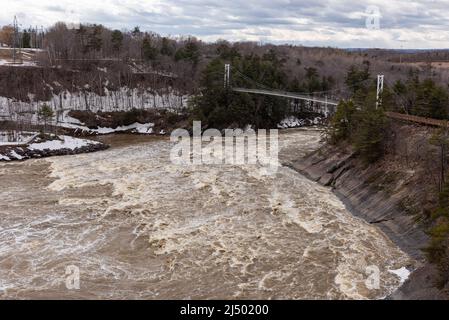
(336, 23)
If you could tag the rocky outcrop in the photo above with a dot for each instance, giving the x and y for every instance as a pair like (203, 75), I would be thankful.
(350, 180)
(376, 195)
(21, 153)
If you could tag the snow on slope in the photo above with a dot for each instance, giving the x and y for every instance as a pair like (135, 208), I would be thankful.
(135, 128)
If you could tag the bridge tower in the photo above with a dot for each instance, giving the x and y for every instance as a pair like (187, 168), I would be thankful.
(380, 89)
(227, 75)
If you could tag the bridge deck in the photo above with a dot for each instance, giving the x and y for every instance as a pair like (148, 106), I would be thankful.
(287, 95)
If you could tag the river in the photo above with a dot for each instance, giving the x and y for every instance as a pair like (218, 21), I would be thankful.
(139, 227)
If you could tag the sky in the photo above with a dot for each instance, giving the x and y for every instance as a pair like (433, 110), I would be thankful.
(407, 24)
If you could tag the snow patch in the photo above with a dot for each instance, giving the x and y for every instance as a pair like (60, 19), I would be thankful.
(15, 155)
(291, 122)
(67, 142)
(403, 273)
(294, 122)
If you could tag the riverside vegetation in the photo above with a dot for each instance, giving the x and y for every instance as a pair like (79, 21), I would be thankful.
(358, 123)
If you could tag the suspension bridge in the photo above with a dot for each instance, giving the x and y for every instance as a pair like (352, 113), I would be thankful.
(327, 105)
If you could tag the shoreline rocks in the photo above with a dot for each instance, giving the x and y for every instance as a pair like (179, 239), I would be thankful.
(339, 169)
(23, 152)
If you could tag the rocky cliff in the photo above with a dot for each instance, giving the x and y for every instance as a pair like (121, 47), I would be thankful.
(396, 194)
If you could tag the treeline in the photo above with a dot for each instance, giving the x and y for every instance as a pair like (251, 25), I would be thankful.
(421, 97)
(189, 56)
(26, 38)
(361, 121)
(96, 42)
(218, 106)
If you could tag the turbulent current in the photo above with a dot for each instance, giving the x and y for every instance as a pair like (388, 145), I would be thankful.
(138, 226)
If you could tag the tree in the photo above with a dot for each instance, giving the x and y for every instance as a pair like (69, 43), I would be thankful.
(227, 52)
(370, 134)
(166, 47)
(356, 78)
(26, 39)
(149, 52)
(441, 139)
(7, 35)
(313, 83)
(95, 42)
(219, 107)
(189, 52)
(431, 100)
(47, 114)
(342, 124)
(117, 40)
(136, 32)
(360, 121)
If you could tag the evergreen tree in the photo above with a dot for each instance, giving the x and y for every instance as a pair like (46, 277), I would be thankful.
(167, 47)
(46, 114)
(342, 124)
(26, 39)
(148, 50)
(95, 42)
(431, 100)
(370, 134)
(227, 52)
(117, 40)
(189, 52)
(136, 32)
(219, 107)
(356, 79)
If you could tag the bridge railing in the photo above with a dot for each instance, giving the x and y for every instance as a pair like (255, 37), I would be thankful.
(418, 119)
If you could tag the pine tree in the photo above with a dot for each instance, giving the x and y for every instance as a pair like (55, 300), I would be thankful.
(26, 39)
(149, 52)
(46, 113)
(342, 124)
(117, 40)
(166, 47)
(431, 100)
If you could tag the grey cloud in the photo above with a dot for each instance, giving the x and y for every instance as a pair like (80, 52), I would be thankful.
(254, 17)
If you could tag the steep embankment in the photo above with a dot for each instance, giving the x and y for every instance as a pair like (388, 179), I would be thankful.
(396, 193)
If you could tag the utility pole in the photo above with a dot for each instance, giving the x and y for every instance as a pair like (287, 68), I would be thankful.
(227, 82)
(14, 41)
(380, 89)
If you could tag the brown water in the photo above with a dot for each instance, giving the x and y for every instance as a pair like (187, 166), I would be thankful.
(138, 226)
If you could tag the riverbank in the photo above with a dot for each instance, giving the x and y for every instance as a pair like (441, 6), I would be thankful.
(386, 194)
(42, 147)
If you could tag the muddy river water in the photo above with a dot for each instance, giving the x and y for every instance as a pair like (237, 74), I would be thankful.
(137, 226)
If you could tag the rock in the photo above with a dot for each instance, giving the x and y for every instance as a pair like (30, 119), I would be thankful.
(326, 179)
(26, 153)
